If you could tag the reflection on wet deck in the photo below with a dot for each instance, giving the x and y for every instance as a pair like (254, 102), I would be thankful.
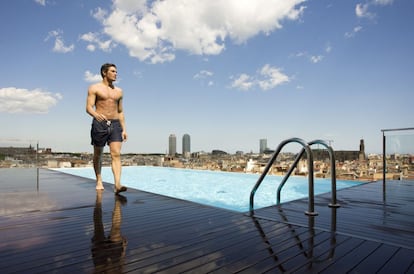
(60, 224)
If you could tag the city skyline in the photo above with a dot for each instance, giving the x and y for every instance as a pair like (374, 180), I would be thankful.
(401, 143)
(227, 72)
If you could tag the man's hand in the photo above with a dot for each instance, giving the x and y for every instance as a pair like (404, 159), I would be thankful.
(100, 117)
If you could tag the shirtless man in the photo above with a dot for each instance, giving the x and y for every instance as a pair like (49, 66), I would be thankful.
(104, 104)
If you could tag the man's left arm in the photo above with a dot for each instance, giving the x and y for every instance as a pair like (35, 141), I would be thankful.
(122, 120)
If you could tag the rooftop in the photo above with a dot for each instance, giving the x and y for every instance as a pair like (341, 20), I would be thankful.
(55, 222)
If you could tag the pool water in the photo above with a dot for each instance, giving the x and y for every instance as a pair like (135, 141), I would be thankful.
(227, 190)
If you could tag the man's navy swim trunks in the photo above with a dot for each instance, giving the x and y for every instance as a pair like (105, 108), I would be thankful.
(105, 132)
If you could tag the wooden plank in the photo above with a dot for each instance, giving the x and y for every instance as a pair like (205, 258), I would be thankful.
(401, 262)
(368, 233)
(341, 250)
(382, 254)
(388, 222)
(353, 258)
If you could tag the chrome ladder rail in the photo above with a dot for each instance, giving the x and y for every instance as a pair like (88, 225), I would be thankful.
(306, 148)
(333, 172)
(331, 153)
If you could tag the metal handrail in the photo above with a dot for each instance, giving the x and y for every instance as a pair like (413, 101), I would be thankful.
(333, 171)
(293, 166)
(309, 155)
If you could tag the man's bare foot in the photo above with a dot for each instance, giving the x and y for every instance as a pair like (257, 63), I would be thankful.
(99, 186)
(121, 189)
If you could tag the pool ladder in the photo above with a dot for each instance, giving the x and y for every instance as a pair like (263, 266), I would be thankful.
(305, 149)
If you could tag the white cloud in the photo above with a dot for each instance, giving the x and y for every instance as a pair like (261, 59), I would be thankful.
(135, 6)
(90, 77)
(267, 78)
(99, 14)
(94, 41)
(362, 9)
(17, 100)
(383, 2)
(353, 32)
(300, 54)
(91, 47)
(316, 58)
(41, 2)
(328, 48)
(59, 45)
(203, 74)
(243, 82)
(151, 32)
(271, 77)
(313, 58)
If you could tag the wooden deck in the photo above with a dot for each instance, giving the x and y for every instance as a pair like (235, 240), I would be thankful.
(57, 223)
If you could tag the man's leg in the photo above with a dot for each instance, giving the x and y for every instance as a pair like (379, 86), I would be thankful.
(99, 234)
(97, 165)
(116, 220)
(115, 149)
(98, 248)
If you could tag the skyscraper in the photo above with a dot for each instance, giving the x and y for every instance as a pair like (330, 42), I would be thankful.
(172, 145)
(263, 145)
(186, 145)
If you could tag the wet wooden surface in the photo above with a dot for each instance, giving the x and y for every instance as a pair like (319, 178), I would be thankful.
(57, 223)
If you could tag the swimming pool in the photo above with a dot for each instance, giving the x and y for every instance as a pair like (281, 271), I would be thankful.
(215, 188)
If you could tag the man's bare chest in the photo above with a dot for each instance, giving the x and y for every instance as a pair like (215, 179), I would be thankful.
(110, 95)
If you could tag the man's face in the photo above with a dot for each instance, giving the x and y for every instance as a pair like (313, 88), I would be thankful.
(111, 74)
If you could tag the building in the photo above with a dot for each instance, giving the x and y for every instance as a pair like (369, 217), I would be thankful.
(362, 150)
(263, 145)
(341, 155)
(186, 146)
(172, 145)
(12, 151)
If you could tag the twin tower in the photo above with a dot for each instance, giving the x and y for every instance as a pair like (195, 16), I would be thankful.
(172, 145)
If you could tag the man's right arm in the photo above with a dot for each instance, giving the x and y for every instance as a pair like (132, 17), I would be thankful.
(91, 105)
(90, 102)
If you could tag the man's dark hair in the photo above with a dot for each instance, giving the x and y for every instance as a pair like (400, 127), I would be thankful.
(105, 68)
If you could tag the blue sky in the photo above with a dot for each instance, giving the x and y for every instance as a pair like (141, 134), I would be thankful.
(227, 72)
